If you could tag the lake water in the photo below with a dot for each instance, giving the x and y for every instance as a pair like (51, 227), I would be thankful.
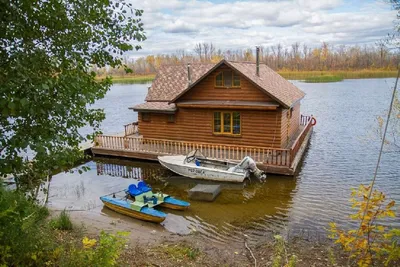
(342, 154)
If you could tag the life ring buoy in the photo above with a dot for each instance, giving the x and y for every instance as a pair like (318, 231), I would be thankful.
(313, 121)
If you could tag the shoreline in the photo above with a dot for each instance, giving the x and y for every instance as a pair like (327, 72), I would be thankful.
(153, 245)
(290, 75)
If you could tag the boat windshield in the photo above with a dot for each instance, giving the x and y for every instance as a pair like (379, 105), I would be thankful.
(195, 154)
(198, 154)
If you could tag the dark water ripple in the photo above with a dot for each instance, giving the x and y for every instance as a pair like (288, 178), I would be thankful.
(342, 154)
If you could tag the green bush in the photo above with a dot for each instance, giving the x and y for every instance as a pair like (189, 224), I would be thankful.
(25, 238)
(62, 221)
(91, 252)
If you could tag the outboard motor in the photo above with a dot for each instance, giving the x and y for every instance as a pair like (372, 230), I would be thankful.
(248, 163)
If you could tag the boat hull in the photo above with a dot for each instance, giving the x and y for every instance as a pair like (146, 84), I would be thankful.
(174, 204)
(141, 215)
(175, 164)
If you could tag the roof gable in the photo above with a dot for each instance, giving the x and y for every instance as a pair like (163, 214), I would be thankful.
(206, 89)
(171, 81)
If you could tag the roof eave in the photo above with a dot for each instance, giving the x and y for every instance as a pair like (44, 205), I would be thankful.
(169, 111)
(297, 101)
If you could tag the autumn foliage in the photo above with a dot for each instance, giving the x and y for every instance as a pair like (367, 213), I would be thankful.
(371, 242)
(297, 57)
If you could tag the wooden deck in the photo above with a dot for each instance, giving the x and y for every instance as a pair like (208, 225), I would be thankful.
(273, 160)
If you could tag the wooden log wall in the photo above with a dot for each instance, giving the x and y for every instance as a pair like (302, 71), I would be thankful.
(258, 128)
(290, 125)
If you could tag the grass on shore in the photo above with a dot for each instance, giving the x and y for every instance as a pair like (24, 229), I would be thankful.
(137, 79)
(343, 74)
(62, 221)
(323, 79)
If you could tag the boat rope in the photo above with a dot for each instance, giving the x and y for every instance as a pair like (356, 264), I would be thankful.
(380, 155)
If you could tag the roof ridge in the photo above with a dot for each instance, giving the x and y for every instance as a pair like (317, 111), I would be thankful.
(185, 64)
(247, 62)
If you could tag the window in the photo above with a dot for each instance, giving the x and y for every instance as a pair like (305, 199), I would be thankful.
(145, 116)
(227, 123)
(171, 117)
(219, 80)
(228, 79)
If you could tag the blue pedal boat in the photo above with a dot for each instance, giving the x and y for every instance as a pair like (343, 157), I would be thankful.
(135, 209)
(143, 192)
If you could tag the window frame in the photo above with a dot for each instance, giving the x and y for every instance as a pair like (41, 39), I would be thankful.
(169, 116)
(233, 73)
(148, 116)
(221, 132)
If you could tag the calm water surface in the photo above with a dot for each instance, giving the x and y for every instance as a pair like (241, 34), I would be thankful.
(342, 154)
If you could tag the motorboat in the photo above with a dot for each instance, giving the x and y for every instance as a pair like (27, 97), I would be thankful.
(196, 165)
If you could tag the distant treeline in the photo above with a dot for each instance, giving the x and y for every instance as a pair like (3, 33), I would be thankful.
(297, 57)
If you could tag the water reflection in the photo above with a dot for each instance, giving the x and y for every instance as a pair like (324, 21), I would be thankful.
(253, 209)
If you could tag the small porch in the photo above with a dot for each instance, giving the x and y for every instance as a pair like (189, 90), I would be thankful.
(273, 160)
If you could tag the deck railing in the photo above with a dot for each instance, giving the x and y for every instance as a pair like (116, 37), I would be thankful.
(272, 156)
(307, 121)
(131, 128)
(265, 155)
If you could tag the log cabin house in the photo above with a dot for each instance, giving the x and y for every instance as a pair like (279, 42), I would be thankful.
(228, 110)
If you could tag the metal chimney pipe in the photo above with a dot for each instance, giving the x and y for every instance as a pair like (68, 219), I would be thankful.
(258, 60)
(189, 74)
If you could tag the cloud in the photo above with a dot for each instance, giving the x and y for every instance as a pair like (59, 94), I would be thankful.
(319, 4)
(179, 24)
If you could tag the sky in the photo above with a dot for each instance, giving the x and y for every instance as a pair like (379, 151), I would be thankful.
(171, 25)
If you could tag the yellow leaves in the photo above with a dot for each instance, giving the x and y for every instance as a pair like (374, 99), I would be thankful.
(369, 240)
(332, 225)
(88, 243)
(390, 213)
(380, 228)
(390, 204)
(380, 121)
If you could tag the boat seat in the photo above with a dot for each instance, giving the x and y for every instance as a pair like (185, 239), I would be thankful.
(150, 199)
(143, 187)
(133, 190)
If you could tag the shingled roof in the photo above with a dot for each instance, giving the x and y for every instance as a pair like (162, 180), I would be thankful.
(171, 81)
(155, 106)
